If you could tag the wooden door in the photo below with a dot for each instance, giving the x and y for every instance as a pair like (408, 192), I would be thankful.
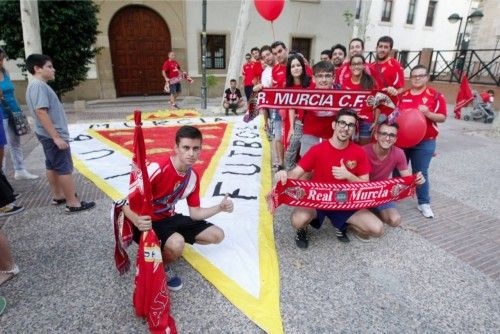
(139, 40)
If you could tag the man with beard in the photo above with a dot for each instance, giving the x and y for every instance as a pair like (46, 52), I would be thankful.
(337, 160)
(326, 55)
(384, 157)
(343, 72)
(338, 56)
(386, 70)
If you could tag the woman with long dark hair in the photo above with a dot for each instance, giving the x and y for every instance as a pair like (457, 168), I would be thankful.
(296, 78)
(361, 80)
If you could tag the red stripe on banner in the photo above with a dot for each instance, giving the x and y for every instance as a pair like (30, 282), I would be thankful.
(341, 196)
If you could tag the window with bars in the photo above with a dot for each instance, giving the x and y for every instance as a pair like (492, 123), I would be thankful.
(216, 52)
(302, 45)
(387, 11)
(429, 20)
(410, 17)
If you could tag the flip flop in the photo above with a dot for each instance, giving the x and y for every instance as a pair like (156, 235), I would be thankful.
(3, 304)
(13, 272)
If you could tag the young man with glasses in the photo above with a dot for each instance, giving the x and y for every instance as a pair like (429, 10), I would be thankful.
(384, 158)
(337, 160)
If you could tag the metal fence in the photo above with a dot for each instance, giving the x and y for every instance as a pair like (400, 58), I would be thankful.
(482, 66)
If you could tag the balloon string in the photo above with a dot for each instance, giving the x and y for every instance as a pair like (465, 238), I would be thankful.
(272, 28)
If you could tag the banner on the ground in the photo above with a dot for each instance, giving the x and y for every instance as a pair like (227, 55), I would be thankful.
(341, 196)
(235, 159)
(320, 99)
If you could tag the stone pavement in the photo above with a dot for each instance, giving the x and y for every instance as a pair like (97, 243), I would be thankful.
(428, 276)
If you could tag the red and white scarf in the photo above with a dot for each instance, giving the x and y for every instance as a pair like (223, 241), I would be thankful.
(340, 196)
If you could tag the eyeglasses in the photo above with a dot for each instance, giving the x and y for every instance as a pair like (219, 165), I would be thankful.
(323, 76)
(387, 134)
(418, 76)
(357, 64)
(343, 124)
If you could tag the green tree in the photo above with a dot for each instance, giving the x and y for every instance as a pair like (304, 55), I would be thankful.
(68, 31)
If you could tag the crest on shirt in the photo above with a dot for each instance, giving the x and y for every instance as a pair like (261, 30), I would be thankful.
(351, 164)
(424, 100)
(295, 192)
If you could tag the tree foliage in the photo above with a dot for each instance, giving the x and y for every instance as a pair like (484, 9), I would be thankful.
(68, 31)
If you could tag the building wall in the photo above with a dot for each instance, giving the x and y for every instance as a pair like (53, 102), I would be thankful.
(486, 33)
(322, 21)
(441, 36)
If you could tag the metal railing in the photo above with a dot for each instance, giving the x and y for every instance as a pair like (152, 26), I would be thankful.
(482, 66)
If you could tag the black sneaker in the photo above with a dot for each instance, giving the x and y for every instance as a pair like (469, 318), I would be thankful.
(315, 223)
(301, 238)
(227, 112)
(10, 209)
(342, 235)
(83, 206)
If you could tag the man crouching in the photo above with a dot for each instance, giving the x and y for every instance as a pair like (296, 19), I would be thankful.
(173, 179)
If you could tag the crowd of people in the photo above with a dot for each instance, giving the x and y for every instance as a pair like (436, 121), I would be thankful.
(316, 145)
(325, 146)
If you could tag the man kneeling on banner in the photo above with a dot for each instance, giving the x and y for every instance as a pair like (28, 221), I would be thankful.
(173, 179)
(337, 160)
(384, 157)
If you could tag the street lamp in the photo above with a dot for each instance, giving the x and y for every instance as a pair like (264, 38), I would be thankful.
(473, 17)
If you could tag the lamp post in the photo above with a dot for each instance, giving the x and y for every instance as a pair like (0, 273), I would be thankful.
(204, 55)
(473, 17)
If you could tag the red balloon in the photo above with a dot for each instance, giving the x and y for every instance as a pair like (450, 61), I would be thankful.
(269, 9)
(412, 127)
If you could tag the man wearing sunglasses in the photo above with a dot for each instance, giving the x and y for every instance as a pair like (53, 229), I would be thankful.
(337, 160)
(384, 157)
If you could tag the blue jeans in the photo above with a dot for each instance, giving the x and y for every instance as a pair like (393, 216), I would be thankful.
(420, 157)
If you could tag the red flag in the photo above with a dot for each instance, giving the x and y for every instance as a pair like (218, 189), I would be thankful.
(464, 96)
(151, 299)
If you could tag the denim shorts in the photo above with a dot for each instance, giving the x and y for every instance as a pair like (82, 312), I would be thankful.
(338, 218)
(175, 88)
(3, 138)
(388, 205)
(59, 161)
(274, 115)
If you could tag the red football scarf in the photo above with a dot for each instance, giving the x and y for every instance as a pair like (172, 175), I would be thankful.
(320, 99)
(151, 298)
(123, 236)
(341, 196)
(464, 97)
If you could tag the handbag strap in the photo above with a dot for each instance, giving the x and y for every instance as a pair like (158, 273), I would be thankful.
(377, 66)
(5, 105)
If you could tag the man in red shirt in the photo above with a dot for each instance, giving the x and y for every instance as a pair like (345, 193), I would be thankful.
(338, 55)
(387, 72)
(173, 179)
(384, 158)
(426, 100)
(280, 53)
(343, 72)
(171, 71)
(248, 76)
(337, 160)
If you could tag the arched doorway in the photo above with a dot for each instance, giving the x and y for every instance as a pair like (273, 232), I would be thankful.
(139, 40)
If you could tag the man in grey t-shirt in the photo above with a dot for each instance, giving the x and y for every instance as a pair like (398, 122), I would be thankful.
(51, 128)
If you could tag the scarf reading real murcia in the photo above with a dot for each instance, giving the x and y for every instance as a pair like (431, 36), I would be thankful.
(340, 196)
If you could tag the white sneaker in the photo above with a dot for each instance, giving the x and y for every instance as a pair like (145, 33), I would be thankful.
(426, 210)
(23, 174)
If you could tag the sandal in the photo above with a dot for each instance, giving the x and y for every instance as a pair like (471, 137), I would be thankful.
(3, 304)
(13, 272)
(56, 201)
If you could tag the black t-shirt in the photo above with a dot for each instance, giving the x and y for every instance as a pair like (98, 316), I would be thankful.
(232, 97)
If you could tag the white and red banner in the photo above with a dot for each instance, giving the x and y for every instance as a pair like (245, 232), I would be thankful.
(320, 99)
(341, 196)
